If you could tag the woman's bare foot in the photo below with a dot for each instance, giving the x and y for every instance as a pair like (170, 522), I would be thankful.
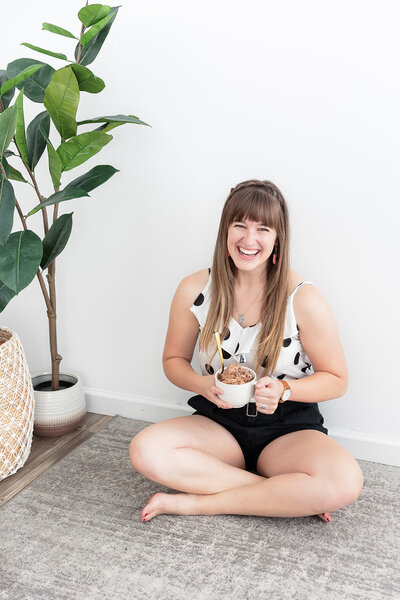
(168, 504)
(183, 504)
(325, 517)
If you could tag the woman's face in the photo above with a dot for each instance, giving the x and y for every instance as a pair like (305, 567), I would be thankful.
(250, 244)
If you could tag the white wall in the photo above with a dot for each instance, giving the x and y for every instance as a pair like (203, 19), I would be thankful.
(303, 93)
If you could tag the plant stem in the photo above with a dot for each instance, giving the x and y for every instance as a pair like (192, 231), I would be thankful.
(3, 171)
(78, 56)
(45, 293)
(56, 358)
(21, 215)
(51, 278)
(41, 198)
(50, 301)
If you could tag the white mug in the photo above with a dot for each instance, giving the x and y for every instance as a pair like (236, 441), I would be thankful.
(238, 395)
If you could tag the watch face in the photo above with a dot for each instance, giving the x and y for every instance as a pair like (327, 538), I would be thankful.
(286, 395)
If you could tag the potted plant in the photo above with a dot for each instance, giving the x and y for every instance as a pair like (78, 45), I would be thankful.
(24, 254)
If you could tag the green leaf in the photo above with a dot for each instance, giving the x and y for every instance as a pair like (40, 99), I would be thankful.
(106, 127)
(58, 30)
(121, 119)
(16, 175)
(8, 122)
(7, 205)
(5, 296)
(34, 138)
(67, 194)
(61, 100)
(87, 81)
(94, 30)
(91, 50)
(93, 178)
(6, 99)
(80, 148)
(56, 239)
(6, 167)
(11, 173)
(36, 84)
(20, 259)
(8, 85)
(43, 51)
(89, 15)
(8, 153)
(55, 164)
(20, 137)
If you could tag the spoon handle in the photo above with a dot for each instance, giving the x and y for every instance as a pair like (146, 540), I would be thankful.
(218, 338)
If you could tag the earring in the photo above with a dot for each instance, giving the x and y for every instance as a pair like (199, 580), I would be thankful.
(274, 256)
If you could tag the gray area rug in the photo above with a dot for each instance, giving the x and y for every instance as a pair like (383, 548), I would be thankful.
(76, 533)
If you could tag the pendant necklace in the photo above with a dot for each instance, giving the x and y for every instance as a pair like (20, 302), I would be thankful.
(241, 314)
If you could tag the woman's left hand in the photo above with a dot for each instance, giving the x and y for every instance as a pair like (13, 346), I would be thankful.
(267, 394)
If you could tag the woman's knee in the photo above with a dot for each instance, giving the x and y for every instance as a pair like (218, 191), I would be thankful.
(345, 484)
(149, 451)
(141, 449)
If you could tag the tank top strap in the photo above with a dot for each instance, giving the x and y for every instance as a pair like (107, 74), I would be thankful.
(291, 323)
(296, 289)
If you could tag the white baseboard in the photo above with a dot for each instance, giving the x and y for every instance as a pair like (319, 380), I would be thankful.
(361, 446)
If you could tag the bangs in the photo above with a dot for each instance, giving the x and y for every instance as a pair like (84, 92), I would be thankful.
(258, 206)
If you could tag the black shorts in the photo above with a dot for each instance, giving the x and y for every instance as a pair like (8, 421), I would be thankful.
(254, 433)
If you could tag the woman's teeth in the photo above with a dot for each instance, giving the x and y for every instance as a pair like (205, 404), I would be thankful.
(247, 252)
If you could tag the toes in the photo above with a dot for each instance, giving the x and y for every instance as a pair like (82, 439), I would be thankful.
(326, 517)
(150, 510)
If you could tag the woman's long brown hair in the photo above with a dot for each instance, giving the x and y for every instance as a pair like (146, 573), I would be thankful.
(259, 201)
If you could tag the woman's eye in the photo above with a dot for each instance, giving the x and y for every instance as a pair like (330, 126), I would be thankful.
(264, 229)
(239, 225)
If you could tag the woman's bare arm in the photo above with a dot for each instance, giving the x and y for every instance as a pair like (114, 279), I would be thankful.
(319, 336)
(182, 334)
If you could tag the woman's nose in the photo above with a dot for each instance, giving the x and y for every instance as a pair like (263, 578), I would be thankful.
(250, 237)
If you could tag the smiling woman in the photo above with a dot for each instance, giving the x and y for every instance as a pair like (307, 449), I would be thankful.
(277, 459)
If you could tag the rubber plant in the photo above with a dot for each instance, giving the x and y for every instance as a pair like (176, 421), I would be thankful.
(24, 254)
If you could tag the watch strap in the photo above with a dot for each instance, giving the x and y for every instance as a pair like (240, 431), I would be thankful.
(286, 387)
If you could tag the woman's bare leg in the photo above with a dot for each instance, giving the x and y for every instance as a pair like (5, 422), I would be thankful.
(308, 473)
(190, 454)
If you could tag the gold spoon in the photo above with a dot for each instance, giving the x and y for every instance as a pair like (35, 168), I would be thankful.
(218, 338)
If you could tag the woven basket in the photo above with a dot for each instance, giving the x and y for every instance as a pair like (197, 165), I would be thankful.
(16, 404)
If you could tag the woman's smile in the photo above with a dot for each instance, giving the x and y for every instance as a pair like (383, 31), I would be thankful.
(248, 254)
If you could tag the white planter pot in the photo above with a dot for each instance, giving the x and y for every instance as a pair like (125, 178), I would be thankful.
(60, 412)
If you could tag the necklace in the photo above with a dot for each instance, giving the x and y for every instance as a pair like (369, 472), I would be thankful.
(241, 314)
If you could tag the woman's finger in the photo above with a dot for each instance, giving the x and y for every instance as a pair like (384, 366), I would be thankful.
(216, 391)
(264, 394)
(264, 382)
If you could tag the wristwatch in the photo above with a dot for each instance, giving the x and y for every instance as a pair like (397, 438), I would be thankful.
(286, 392)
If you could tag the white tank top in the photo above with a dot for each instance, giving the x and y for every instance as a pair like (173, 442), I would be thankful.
(240, 343)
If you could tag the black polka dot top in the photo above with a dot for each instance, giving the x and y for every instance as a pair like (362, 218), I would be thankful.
(240, 343)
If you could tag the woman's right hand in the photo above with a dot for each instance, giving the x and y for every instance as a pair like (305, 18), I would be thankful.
(213, 393)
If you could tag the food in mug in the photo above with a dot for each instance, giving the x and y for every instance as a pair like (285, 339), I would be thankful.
(235, 375)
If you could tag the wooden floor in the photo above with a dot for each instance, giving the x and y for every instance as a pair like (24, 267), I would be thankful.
(47, 451)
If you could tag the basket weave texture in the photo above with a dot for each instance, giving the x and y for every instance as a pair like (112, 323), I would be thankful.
(16, 404)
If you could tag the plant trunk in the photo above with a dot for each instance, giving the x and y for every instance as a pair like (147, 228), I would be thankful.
(55, 357)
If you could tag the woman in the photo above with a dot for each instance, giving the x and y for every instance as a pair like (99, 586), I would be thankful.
(281, 462)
